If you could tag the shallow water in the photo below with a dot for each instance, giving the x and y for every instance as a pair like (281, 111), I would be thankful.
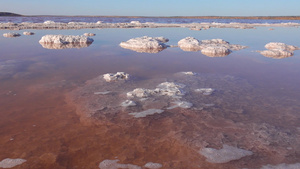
(44, 101)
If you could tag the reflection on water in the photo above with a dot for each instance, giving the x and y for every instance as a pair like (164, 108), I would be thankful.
(65, 46)
(57, 111)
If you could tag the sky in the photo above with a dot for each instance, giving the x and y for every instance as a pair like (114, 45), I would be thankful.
(153, 7)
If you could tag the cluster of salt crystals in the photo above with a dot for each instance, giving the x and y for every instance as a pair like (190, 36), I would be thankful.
(224, 155)
(213, 47)
(278, 50)
(10, 163)
(282, 166)
(115, 77)
(145, 44)
(28, 33)
(113, 164)
(65, 39)
(11, 35)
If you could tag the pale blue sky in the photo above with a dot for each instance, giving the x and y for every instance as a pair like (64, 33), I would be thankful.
(153, 7)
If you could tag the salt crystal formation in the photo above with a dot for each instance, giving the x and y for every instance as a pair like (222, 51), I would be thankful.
(224, 155)
(10, 163)
(114, 77)
(11, 35)
(278, 50)
(145, 44)
(89, 34)
(282, 166)
(113, 164)
(65, 39)
(212, 48)
(28, 33)
(152, 165)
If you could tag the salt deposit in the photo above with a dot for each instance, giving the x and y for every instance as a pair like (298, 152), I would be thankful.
(181, 104)
(10, 163)
(152, 165)
(28, 33)
(282, 166)
(89, 34)
(215, 51)
(205, 91)
(146, 113)
(65, 39)
(224, 155)
(145, 43)
(280, 46)
(128, 103)
(113, 164)
(11, 35)
(49, 22)
(189, 44)
(115, 77)
(106, 92)
(189, 73)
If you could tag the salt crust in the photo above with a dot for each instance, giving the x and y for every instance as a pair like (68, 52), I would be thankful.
(146, 113)
(189, 73)
(28, 33)
(112, 164)
(278, 50)
(65, 39)
(89, 34)
(104, 93)
(10, 163)
(205, 91)
(181, 104)
(11, 35)
(282, 166)
(213, 47)
(128, 103)
(145, 43)
(115, 77)
(224, 155)
(152, 165)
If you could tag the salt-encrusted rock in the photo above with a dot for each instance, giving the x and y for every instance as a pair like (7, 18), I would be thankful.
(205, 91)
(146, 113)
(181, 104)
(282, 166)
(224, 155)
(215, 51)
(28, 33)
(65, 39)
(280, 46)
(10, 163)
(189, 44)
(145, 43)
(152, 165)
(113, 164)
(65, 46)
(49, 22)
(128, 103)
(89, 34)
(11, 35)
(117, 76)
(276, 53)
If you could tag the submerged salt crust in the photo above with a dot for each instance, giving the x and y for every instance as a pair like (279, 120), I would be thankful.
(113, 164)
(10, 163)
(145, 44)
(282, 166)
(224, 155)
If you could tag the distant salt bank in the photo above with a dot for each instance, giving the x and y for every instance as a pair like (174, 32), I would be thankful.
(136, 24)
(11, 35)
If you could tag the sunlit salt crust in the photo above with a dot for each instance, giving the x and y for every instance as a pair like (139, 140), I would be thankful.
(145, 44)
(28, 33)
(282, 166)
(212, 48)
(128, 103)
(10, 163)
(278, 50)
(11, 35)
(65, 39)
(117, 76)
(137, 24)
(224, 155)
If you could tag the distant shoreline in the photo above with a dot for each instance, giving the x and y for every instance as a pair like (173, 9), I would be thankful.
(183, 17)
